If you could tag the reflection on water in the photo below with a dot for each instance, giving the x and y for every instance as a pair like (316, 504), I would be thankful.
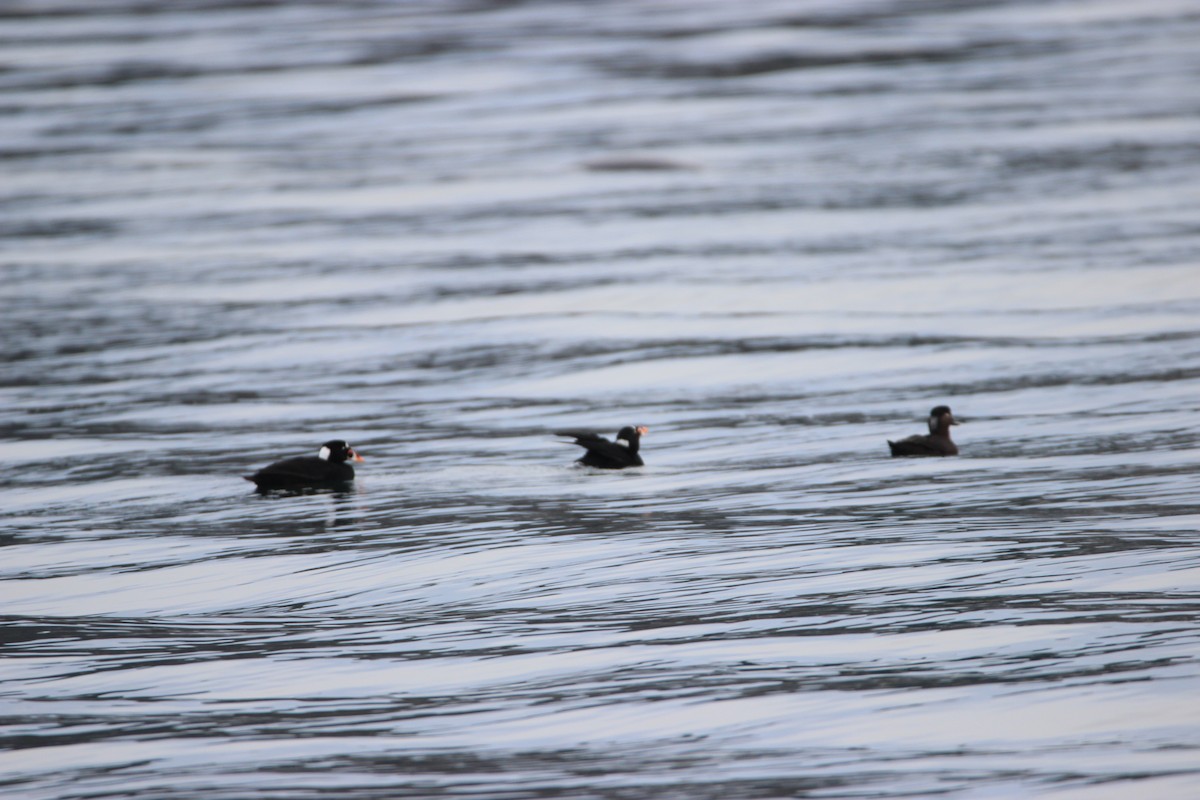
(776, 234)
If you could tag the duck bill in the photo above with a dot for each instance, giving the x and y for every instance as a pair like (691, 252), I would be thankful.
(354, 456)
(642, 430)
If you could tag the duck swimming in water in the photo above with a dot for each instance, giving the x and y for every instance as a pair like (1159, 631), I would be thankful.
(603, 454)
(328, 468)
(936, 443)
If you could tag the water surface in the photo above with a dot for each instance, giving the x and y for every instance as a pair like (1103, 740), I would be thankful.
(775, 233)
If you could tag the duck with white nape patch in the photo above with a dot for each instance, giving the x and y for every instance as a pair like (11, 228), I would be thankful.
(603, 454)
(936, 443)
(327, 469)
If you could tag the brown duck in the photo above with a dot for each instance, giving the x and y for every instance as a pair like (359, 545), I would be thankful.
(937, 443)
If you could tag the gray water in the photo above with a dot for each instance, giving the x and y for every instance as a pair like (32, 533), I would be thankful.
(776, 233)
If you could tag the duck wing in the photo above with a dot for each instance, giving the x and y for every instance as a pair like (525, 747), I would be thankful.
(301, 470)
(583, 438)
(922, 446)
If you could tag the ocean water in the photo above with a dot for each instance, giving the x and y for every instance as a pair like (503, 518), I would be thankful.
(775, 233)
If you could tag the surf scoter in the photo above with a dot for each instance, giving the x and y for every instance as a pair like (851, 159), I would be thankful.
(326, 469)
(937, 443)
(604, 454)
